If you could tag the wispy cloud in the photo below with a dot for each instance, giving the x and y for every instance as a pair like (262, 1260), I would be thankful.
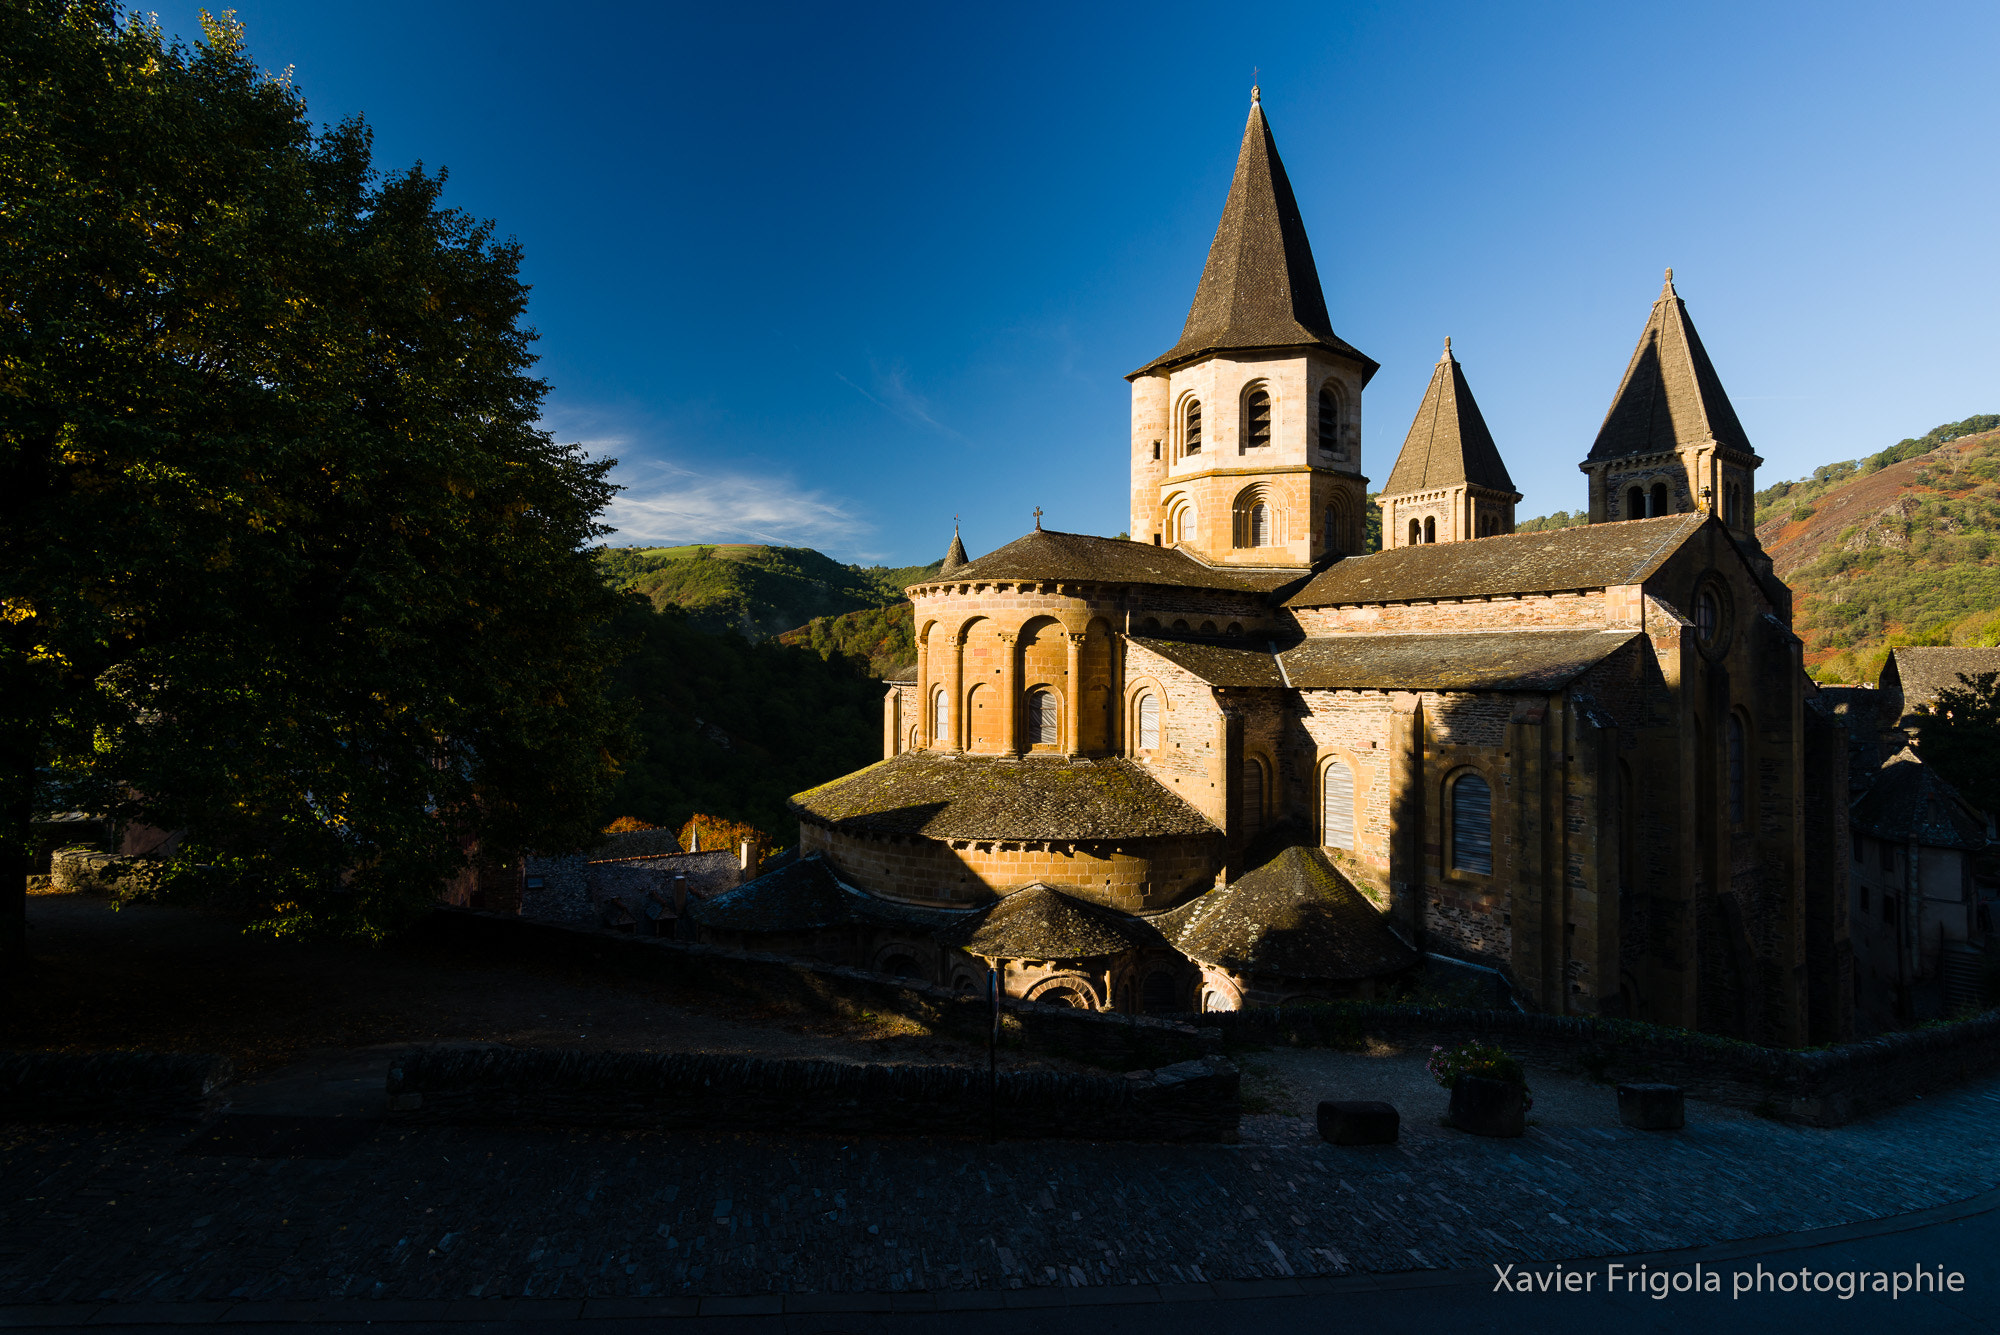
(893, 395)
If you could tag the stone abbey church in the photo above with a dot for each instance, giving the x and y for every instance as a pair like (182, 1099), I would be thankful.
(1234, 762)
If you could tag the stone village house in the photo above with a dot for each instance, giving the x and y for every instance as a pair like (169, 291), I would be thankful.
(1231, 762)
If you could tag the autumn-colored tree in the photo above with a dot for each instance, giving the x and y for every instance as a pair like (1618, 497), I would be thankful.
(714, 834)
(285, 560)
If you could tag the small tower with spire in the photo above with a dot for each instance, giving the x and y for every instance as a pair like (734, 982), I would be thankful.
(1671, 443)
(1449, 483)
(954, 555)
(1246, 434)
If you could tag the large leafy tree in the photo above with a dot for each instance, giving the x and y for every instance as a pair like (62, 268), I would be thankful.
(1959, 732)
(286, 561)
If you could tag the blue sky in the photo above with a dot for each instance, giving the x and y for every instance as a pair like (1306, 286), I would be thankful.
(829, 275)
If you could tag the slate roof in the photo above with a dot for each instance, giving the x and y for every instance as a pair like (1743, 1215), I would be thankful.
(1039, 922)
(1593, 556)
(1512, 660)
(1218, 664)
(634, 844)
(1448, 441)
(1260, 288)
(1670, 395)
(1296, 916)
(799, 896)
(1914, 676)
(1048, 555)
(953, 796)
(954, 555)
(1908, 801)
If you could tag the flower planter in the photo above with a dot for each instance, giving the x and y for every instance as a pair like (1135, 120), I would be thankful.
(1489, 1107)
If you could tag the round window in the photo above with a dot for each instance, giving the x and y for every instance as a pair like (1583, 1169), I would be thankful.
(1711, 615)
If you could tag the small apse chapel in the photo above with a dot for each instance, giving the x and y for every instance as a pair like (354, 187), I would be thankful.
(1233, 762)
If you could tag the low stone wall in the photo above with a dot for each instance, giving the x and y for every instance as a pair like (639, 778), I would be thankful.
(1191, 1101)
(89, 1086)
(1123, 1042)
(87, 871)
(1819, 1087)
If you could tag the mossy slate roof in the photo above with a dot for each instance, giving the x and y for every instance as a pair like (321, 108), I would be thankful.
(1913, 675)
(1907, 800)
(1514, 660)
(1449, 442)
(1037, 800)
(1296, 917)
(801, 896)
(1039, 922)
(1048, 555)
(1593, 556)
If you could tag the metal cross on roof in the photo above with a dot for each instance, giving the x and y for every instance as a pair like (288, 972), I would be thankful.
(1038, 518)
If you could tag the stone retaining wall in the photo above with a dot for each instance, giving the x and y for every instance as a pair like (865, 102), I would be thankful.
(1119, 1041)
(1190, 1101)
(88, 871)
(1819, 1087)
(88, 1086)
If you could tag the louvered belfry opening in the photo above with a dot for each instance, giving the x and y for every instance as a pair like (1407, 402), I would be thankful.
(1260, 525)
(1257, 420)
(1337, 805)
(1192, 438)
(1471, 825)
(1042, 718)
(1329, 419)
(1149, 722)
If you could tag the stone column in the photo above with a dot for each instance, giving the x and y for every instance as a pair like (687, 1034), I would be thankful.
(1073, 669)
(954, 690)
(924, 684)
(1010, 693)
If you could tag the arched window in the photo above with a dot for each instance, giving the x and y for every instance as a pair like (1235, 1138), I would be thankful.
(1659, 502)
(1430, 528)
(1329, 419)
(1256, 520)
(1260, 525)
(1635, 504)
(1042, 718)
(1471, 825)
(1330, 537)
(1149, 722)
(1257, 420)
(1191, 440)
(941, 718)
(1707, 615)
(1416, 533)
(1253, 795)
(1337, 806)
(1180, 520)
(1737, 804)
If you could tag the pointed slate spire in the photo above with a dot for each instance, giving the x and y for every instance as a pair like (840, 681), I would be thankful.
(1671, 396)
(954, 555)
(1260, 288)
(1448, 442)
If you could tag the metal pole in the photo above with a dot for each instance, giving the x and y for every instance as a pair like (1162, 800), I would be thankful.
(993, 1054)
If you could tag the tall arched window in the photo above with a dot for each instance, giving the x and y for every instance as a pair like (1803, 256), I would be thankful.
(1738, 806)
(1329, 419)
(1257, 420)
(1149, 722)
(1255, 520)
(1253, 794)
(1042, 718)
(1260, 525)
(1659, 501)
(1471, 825)
(941, 718)
(1430, 528)
(1416, 533)
(1337, 806)
(1191, 440)
(1635, 504)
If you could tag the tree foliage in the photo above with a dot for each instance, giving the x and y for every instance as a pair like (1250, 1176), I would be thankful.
(1959, 733)
(287, 562)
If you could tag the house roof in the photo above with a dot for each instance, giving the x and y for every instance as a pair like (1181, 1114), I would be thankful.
(1670, 395)
(1039, 922)
(1260, 288)
(944, 795)
(1296, 916)
(1448, 442)
(1046, 554)
(1909, 802)
(1913, 676)
(1593, 556)
(634, 844)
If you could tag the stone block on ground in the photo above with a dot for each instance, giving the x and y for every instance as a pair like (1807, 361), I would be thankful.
(1358, 1122)
(1652, 1107)
(1489, 1107)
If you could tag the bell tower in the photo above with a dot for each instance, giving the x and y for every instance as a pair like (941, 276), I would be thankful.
(1246, 434)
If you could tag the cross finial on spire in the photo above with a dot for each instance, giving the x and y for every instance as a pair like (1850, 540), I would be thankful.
(1447, 349)
(1670, 280)
(1038, 519)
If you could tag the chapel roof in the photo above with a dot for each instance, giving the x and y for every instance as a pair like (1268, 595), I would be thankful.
(950, 795)
(1592, 556)
(1909, 800)
(1296, 916)
(1511, 660)
(1260, 287)
(1448, 442)
(1671, 395)
(1045, 554)
(1039, 922)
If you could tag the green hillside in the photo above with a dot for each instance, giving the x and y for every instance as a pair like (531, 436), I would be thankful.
(880, 640)
(755, 591)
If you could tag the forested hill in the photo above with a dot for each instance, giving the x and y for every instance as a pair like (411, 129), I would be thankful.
(1900, 547)
(756, 591)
